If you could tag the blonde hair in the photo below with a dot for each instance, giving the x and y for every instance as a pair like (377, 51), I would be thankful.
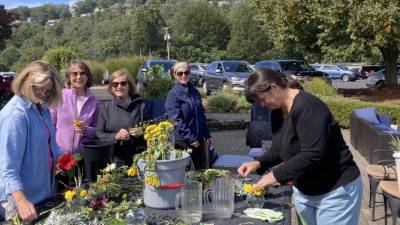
(37, 73)
(129, 78)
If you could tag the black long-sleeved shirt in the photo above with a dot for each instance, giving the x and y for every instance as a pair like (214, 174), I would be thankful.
(116, 115)
(309, 148)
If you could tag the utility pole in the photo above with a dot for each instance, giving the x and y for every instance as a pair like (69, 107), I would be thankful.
(167, 37)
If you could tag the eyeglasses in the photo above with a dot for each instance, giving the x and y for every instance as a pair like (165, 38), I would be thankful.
(75, 74)
(116, 84)
(181, 73)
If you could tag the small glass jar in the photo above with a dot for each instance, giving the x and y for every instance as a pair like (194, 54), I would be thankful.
(254, 201)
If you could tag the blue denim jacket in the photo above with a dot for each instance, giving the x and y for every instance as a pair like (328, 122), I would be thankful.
(24, 162)
(184, 107)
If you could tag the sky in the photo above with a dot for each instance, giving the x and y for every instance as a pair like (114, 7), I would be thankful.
(9, 4)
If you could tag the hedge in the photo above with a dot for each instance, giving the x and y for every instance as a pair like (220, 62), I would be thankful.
(341, 108)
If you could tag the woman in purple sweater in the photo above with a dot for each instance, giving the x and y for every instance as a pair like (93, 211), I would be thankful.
(76, 118)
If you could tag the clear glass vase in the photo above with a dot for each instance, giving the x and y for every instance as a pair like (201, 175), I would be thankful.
(254, 201)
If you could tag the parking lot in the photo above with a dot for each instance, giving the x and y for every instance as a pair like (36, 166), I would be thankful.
(358, 84)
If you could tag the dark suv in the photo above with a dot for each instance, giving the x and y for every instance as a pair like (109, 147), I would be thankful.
(299, 68)
(166, 64)
(5, 82)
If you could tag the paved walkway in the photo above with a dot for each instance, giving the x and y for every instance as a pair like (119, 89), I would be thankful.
(234, 142)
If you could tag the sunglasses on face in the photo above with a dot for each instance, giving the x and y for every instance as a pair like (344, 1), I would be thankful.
(116, 84)
(75, 74)
(181, 73)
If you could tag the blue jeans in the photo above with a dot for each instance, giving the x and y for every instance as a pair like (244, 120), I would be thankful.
(338, 207)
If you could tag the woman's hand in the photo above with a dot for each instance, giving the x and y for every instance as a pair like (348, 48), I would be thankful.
(123, 135)
(26, 209)
(80, 128)
(248, 167)
(265, 181)
(210, 141)
(134, 132)
(195, 144)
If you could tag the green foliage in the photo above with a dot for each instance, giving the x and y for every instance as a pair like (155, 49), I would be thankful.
(320, 87)
(395, 144)
(59, 57)
(6, 18)
(158, 84)
(198, 28)
(8, 56)
(242, 104)
(341, 108)
(97, 69)
(248, 41)
(221, 103)
(84, 6)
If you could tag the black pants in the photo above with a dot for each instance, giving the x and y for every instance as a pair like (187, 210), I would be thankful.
(2, 214)
(199, 155)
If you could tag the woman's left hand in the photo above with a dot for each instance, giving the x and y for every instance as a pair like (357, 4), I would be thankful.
(80, 129)
(266, 180)
(210, 141)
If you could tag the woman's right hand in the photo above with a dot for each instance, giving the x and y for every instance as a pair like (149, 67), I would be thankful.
(248, 167)
(26, 210)
(123, 135)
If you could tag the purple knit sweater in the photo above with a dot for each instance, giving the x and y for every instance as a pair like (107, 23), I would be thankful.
(63, 115)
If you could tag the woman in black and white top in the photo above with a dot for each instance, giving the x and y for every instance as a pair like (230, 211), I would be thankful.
(307, 150)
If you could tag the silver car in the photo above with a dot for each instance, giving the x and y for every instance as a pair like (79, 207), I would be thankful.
(377, 79)
(337, 72)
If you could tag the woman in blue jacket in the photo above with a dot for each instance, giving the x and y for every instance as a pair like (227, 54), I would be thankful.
(184, 107)
(28, 148)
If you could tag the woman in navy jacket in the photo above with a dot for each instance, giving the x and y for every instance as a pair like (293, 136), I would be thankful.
(184, 107)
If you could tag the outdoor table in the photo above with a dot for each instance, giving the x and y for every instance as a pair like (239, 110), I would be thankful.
(277, 199)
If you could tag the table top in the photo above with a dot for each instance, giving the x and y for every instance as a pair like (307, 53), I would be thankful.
(277, 199)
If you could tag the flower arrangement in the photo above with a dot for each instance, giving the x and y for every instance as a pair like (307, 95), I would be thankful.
(158, 148)
(206, 177)
(67, 164)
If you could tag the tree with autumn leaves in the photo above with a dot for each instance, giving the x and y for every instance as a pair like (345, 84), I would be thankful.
(338, 30)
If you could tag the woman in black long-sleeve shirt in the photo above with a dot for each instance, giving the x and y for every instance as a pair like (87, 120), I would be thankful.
(118, 117)
(307, 150)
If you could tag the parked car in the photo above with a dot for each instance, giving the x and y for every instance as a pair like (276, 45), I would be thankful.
(5, 82)
(368, 70)
(197, 71)
(337, 72)
(300, 69)
(166, 64)
(377, 79)
(221, 74)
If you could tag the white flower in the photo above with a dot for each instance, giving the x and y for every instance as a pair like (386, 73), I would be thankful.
(110, 168)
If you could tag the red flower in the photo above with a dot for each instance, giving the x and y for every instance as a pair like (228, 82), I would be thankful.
(66, 162)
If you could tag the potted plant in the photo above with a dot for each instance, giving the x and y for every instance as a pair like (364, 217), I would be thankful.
(162, 166)
(395, 146)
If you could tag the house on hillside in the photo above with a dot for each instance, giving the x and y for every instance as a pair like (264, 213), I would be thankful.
(52, 22)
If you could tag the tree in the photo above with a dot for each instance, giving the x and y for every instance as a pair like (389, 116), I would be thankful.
(339, 29)
(25, 32)
(8, 56)
(23, 12)
(204, 25)
(85, 6)
(146, 30)
(6, 18)
(248, 41)
(59, 57)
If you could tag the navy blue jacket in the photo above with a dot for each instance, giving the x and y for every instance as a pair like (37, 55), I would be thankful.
(184, 107)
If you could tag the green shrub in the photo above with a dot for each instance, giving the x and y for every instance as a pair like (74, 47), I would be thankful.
(132, 64)
(97, 69)
(341, 108)
(201, 91)
(221, 103)
(242, 104)
(320, 87)
(157, 86)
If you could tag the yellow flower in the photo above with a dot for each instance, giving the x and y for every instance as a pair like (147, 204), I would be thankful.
(83, 193)
(149, 157)
(163, 137)
(258, 191)
(124, 196)
(248, 188)
(132, 172)
(77, 123)
(146, 137)
(69, 195)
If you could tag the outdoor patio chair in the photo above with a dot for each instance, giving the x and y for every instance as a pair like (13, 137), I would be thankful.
(391, 195)
(383, 171)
